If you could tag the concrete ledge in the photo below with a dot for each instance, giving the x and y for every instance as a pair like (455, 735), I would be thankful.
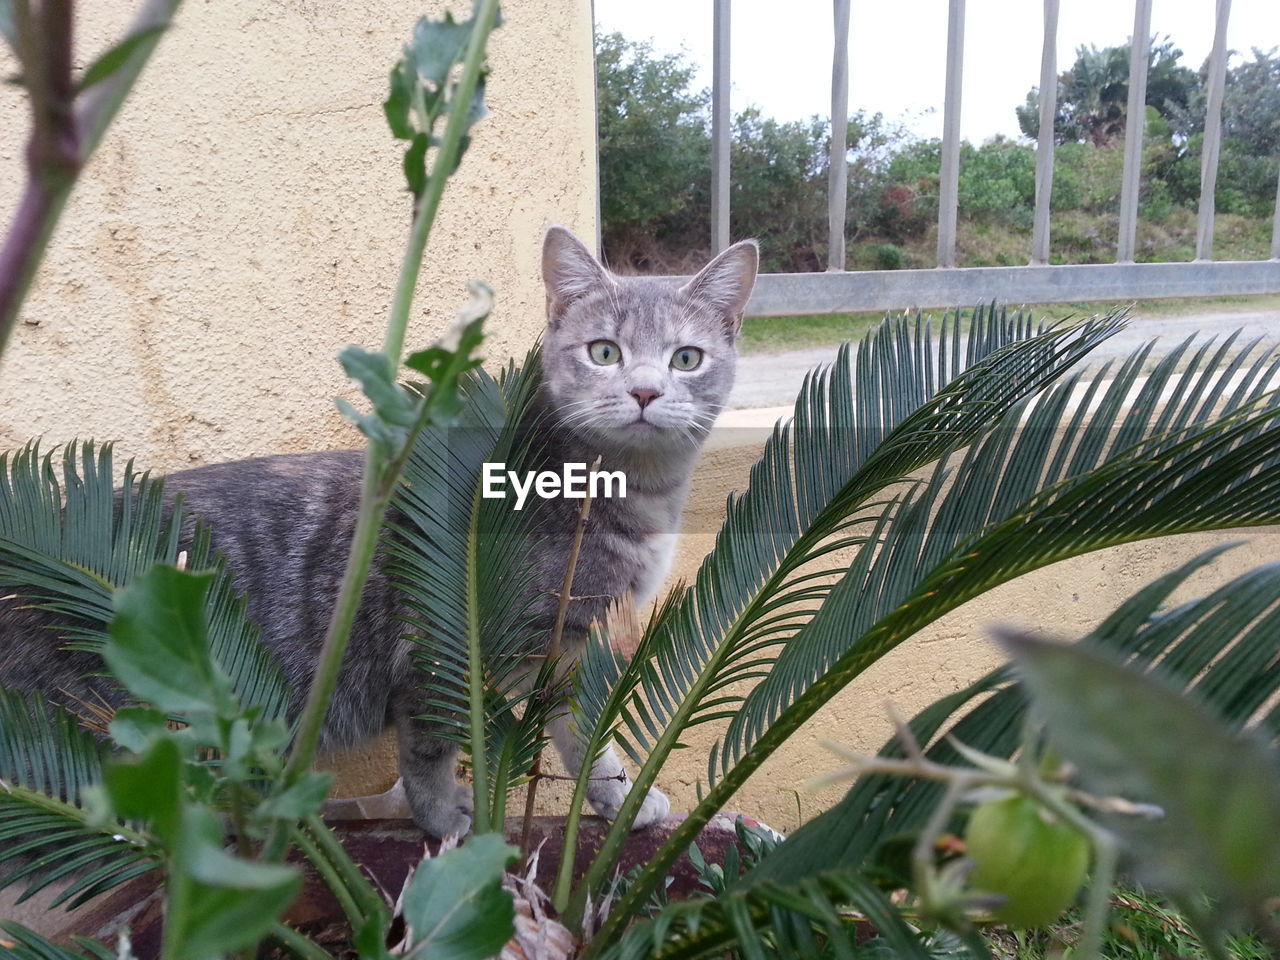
(782, 294)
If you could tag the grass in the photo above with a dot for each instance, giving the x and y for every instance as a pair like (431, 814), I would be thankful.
(1143, 927)
(778, 334)
(1077, 237)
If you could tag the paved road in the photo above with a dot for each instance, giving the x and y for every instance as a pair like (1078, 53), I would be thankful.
(770, 380)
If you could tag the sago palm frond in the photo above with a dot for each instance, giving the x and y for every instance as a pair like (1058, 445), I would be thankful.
(1157, 463)
(1047, 447)
(813, 917)
(859, 427)
(904, 401)
(45, 748)
(46, 838)
(19, 943)
(1220, 647)
(461, 562)
(68, 545)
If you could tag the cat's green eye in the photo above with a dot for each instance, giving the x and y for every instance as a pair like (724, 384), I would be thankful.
(686, 358)
(604, 352)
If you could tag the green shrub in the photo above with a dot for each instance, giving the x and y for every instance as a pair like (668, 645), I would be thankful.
(888, 256)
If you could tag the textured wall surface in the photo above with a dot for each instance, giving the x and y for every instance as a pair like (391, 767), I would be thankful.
(244, 220)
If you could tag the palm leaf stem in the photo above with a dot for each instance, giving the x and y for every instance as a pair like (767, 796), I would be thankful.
(476, 681)
(302, 947)
(378, 480)
(70, 812)
(329, 874)
(678, 719)
(368, 901)
(553, 654)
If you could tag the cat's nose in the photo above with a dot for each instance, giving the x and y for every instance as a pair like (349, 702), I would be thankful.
(644, 397)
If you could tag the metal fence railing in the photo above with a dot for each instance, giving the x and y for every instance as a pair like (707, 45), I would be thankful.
(838, 290)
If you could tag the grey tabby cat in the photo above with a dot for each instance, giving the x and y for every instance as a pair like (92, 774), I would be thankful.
(634, 371)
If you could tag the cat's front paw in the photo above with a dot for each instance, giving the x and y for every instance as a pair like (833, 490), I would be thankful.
(655, 808)
(444, 813)
(607, 796)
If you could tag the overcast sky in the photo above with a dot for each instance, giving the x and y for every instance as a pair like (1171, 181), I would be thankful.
(781, 52)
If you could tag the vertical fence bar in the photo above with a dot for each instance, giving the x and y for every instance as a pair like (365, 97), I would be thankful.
(1275, 226)
(595, 126)
(720, 129)
(838, 165)
(1212, 133)
(949, 185)
(1135, 125)
(1044, 141)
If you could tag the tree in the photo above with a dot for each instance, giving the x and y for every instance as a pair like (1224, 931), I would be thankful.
(779, 191)
(1093, 95)
(1250, 105)
(654, 146)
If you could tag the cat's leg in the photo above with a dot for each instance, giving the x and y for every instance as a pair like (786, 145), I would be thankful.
(439, 803)
(609, 783)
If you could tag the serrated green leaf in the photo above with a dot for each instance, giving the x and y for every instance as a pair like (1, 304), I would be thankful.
(1135, 735)
(224, 902)
(436, 46)
(393, 408)
(159, 643)
(396, 108)
(373, 372)
(300, 800)
(415, 163)
(113, 59)
(455, 907)
(149, 787)
(445, 363)
(134, 728)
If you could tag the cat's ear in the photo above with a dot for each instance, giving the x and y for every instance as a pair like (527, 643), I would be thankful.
(568, 270)
(725, 283)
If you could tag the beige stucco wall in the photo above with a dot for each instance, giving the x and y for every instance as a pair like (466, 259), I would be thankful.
(245, 217)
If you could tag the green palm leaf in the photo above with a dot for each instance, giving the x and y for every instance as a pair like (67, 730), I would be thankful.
(46, 748)
(851, 438)
(461, 562)
(911, 402)
(807, 918)
(1220, 648)
(19, 943)
(1030, 451)
(67, 546)
(46, 838)
(941, 545)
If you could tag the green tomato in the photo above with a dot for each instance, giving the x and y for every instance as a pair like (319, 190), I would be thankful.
(1037, 863)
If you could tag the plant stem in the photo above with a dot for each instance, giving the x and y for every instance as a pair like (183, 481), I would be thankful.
(553, 653)
(476, 687)
(304, 948)
(356, 882)
(62, 137)
(446, 159)
(329, 874)
(377, 485)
